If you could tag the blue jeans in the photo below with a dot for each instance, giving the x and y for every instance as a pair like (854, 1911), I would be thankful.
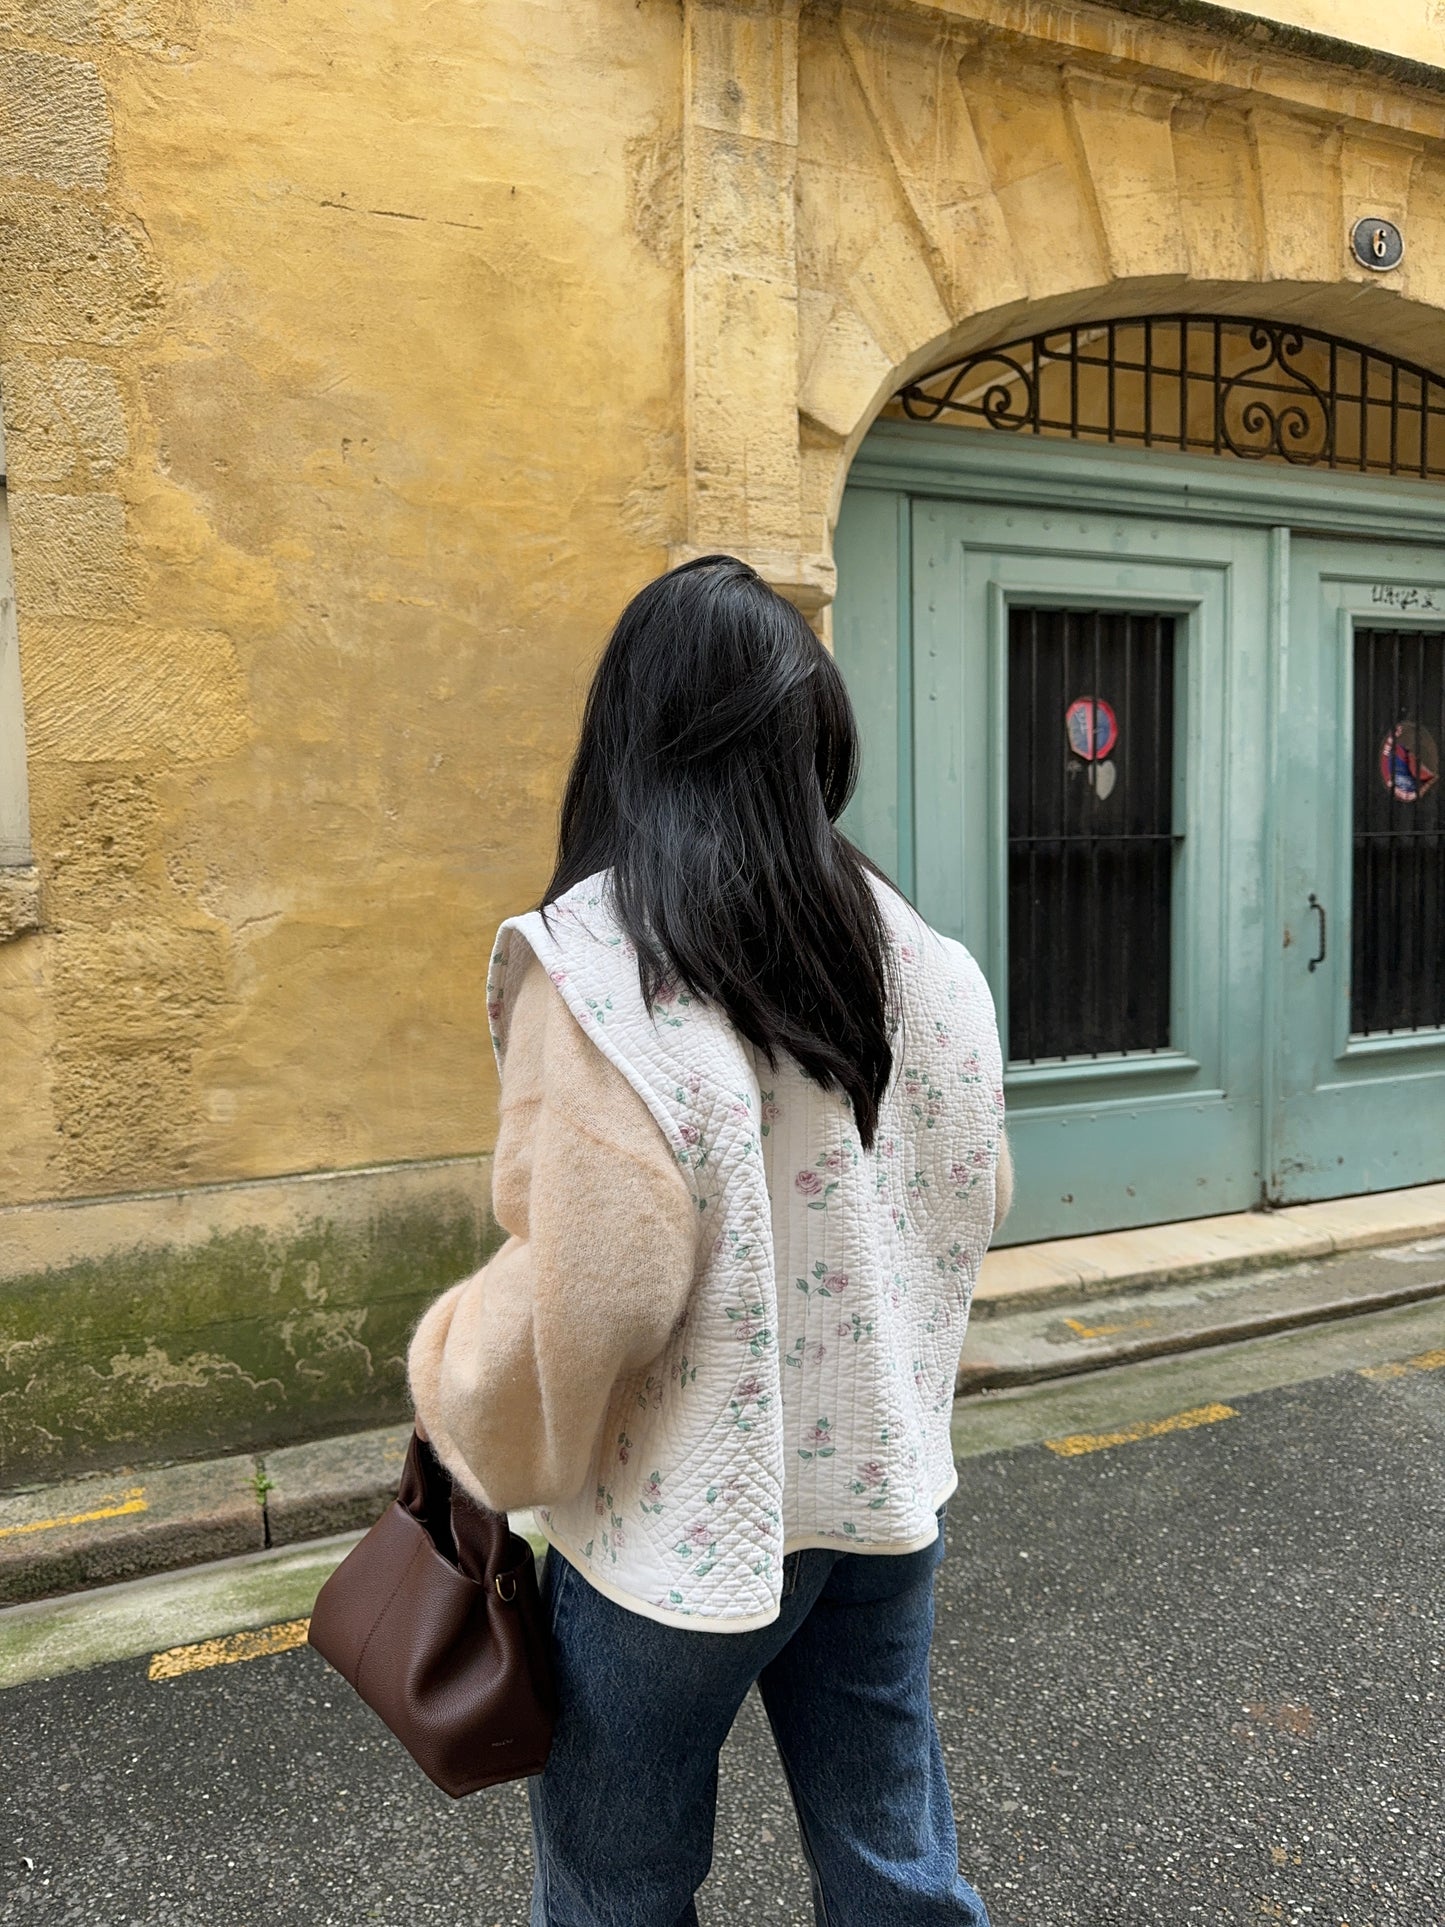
(622, 1818)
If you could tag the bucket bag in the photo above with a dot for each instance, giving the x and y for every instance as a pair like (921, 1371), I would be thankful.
(434, 1617)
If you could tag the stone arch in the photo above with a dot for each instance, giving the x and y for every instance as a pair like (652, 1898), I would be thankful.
(959, 187)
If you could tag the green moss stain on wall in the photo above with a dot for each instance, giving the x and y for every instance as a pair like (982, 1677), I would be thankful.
(254, 1338)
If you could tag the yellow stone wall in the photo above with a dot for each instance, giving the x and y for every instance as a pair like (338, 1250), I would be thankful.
(340, 354)
(358, 362)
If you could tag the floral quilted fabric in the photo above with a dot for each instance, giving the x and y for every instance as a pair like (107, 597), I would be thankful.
(805, 1396)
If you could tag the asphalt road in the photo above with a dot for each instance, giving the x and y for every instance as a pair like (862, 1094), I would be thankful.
(1186, 1678)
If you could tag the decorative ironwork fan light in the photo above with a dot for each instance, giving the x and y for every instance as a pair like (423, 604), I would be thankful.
(1210, 384)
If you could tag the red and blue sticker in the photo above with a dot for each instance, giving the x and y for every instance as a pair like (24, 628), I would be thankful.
(1092, 728)
(1409, 762)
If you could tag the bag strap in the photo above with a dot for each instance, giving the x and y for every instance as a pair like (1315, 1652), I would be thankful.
(470, 1536)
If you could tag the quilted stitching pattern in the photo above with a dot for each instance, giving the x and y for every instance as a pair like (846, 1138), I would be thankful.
(805, 1397)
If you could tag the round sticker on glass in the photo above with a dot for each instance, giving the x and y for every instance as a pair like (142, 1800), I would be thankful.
(1092, 727)
(1409, 762)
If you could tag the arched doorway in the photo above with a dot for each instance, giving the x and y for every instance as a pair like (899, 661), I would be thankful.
(1146, 624)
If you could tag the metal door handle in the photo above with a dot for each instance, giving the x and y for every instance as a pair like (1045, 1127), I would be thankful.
(1315, 904)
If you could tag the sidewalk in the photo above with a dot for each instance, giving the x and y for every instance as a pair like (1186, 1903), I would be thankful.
(1044, 1311)
(1119, 1261)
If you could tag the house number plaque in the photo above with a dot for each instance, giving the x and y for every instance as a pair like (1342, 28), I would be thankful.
(1377, 244)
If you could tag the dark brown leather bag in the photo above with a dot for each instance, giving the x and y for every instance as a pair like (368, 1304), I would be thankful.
(435, 1618)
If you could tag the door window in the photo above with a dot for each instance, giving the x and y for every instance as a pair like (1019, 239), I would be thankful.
(1397, 975)
(1091, 841)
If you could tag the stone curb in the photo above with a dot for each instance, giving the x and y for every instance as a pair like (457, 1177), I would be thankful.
(125, 1525)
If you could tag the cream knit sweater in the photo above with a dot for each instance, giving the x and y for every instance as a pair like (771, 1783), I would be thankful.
(512, 1369)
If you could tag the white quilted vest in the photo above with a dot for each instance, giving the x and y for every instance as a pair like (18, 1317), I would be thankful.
(805, 1395)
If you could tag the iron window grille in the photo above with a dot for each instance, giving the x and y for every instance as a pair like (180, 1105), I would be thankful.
(1397, 970)
(1256, 390)
(1091, 839)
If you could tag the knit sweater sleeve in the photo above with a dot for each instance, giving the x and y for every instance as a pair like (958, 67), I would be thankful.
(1003, 1195)
(512, 1370)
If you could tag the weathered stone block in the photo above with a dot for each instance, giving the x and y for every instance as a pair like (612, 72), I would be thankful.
(742, 67)
(64, 20)
(117, 693)
(54, 123)
(844, 375)
(39, 441)
(1298, 163)
(1123, 132)
(1026, 139)
(19, 901)
(910, 80)
(72, 272)
(71, 555)
(1219, 206)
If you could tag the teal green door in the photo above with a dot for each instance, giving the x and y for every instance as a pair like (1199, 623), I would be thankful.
(1072, 782)
(1360, 1102)
(1176, 779)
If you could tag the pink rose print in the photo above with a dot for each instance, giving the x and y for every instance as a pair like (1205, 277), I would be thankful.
(652, 1491)
(831, 1161)
(808, 1184)
(665, 993)
(750, 1389)
(958, 1174)
(689, 1133)
(770, 1111)
(872, 1473)
(825, 1283)
(811, 1352)
(908, 953)
(701, 1534)
(494, 1012)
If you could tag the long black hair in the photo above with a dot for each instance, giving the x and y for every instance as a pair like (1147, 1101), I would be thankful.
(718, 749)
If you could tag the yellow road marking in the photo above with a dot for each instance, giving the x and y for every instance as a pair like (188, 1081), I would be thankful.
(1401, 1368)
(1078, 1443)
(1107, 1331)
(134, 1501)
(226, 1652)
